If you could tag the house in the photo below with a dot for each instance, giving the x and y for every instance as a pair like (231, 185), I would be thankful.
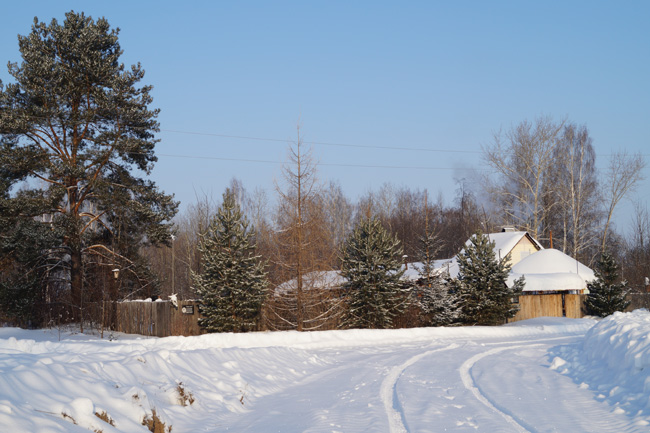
(555, 284)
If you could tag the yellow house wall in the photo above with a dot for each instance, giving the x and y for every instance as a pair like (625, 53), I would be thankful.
(523, 249)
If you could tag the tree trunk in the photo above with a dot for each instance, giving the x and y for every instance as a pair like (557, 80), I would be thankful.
(76, 285)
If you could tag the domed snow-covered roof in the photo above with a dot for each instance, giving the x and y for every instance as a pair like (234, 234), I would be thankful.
(551, 270)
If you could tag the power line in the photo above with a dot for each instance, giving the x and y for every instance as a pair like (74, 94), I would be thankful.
(324, 143)
(264, 161)
(279, 140)
(218, 158)
(327, 164)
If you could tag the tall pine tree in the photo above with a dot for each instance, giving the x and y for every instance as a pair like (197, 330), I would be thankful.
(77, 132)
(371, 264)
(481, 284)
(233, 283)
(607, 292)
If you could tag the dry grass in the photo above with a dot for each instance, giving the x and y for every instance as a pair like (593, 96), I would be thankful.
(154, 424)
(66, 416)
(184, 397)
(243, 394)
(104, 417)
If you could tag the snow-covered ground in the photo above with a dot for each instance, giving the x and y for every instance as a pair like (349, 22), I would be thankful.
(542, 375)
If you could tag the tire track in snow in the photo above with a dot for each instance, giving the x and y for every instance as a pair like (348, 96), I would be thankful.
(470, 384)
(396, 421)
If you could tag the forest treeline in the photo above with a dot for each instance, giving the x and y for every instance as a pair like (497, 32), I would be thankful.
(81, 223)
(570, 211)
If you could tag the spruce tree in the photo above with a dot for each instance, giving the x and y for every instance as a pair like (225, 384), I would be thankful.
(607, 292)
(371, 264)
(77, 133)
(233, 283)
(439, 305)
(481, 284)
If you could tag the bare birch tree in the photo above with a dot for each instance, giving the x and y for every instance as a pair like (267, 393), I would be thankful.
(572, 192)
(338, 212)
(380, 203)
(521, 158)
(636, 263)
(624, 173)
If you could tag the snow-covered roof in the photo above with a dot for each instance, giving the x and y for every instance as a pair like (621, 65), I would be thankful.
(448, 266)
(551, 270)
(413, 272)
(314, 280)
(333, 279)
(504, 242)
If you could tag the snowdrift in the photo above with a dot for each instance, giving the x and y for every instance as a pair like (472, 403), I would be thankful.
(614, 361)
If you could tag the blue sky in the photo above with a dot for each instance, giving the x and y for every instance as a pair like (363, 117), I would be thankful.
(441, 76)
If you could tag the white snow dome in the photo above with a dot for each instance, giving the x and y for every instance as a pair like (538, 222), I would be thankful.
(551, 270)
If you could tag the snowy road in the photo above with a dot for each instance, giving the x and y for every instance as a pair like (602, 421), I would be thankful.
(475, 385)
(504, 379)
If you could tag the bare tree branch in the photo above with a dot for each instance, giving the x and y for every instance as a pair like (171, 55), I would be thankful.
(624, 173)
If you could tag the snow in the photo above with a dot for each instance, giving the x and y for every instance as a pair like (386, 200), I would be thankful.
(550, 282)
(552, 261)
(540, 375)
(551, 270)
(313, 280)
(613, 361)
(504, 242)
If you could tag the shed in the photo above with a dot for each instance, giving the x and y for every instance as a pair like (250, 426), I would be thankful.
(556, 285)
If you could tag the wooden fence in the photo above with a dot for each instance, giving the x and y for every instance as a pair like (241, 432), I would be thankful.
(162, 319)
(553, 305)
(159, 319)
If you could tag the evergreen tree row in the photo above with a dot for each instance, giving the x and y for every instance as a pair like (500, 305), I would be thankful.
(233, 284)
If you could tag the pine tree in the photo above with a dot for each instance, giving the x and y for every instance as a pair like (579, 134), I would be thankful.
(371, 264)
(481, 284)
(607, 292)
(77, 131)
(233, 283)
